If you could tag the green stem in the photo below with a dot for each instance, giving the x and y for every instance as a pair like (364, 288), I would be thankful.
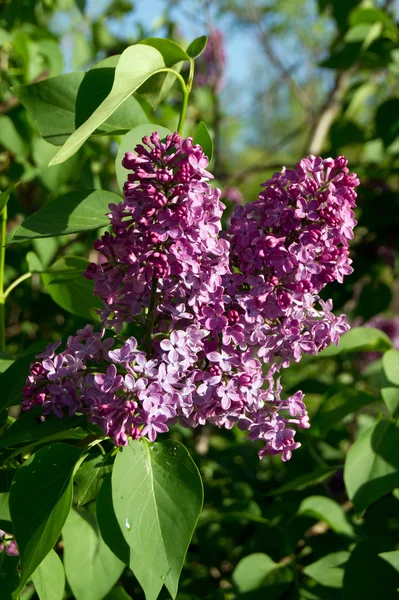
(186, 92)
(15, 283)
(2, 263)
(150, 318)
(190, 76)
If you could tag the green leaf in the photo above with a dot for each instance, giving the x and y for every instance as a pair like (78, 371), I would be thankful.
(368, 15)
(40, 500)
(118, 593)
(54, 177)
(27, 428)
(157, 87)
(304, 481)
(89, 478)
(372, 465)
(334, 408)
(49, 578)
(359, 99)
(259, 572)
(53, 55)
(51, 105)
(8, 575)
(390, 363)
(74, 212)
(5, 196)
(197, 46)
(6, 476)
(10, 138)
(46, 249)
(387, 121)
(111, 533)
(13, 380)
(390, 395)
(367, 574)
(328, 570)
(34, 263)
(392, 558)
(157, 496)
(91, 568)
(203, 138)
(29, 51)
(101, 78)
(128, 144)
(136, 64)
(327, 510)
(67, 286)
(171, 52)
(359, 339)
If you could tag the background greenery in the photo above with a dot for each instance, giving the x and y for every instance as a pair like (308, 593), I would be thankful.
(317, 77)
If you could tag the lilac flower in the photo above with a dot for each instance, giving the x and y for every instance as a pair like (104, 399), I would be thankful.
(231, 310)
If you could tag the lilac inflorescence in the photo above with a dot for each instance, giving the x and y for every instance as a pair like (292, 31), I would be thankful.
(215, 315)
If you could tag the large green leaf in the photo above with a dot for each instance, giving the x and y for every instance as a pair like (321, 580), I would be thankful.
(327, 510)
(390, 363)
(67, 286)
(157, 87)
(136, 64)
(368, 575)
(91, 568)
(76, 211)
(49, 578)
(328, 571)
(157, 496)
(372, 465)
(128, 144)
(101, 78)
(51, 105)
(258, 576)
(359, 339)
(40, 500)
(28, 428)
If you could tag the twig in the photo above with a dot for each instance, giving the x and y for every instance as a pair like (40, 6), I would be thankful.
(329, 111)
(285, 74)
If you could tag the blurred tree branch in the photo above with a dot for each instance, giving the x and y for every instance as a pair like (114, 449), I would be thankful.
(329, 112)
(273, 57)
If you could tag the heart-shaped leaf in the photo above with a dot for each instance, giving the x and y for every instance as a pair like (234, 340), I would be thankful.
(157, 496)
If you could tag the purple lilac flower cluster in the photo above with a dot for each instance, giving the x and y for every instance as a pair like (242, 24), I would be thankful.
(211, 309)
(211, 64)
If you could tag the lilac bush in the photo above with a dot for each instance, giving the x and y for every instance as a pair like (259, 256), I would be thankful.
(217, 314)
